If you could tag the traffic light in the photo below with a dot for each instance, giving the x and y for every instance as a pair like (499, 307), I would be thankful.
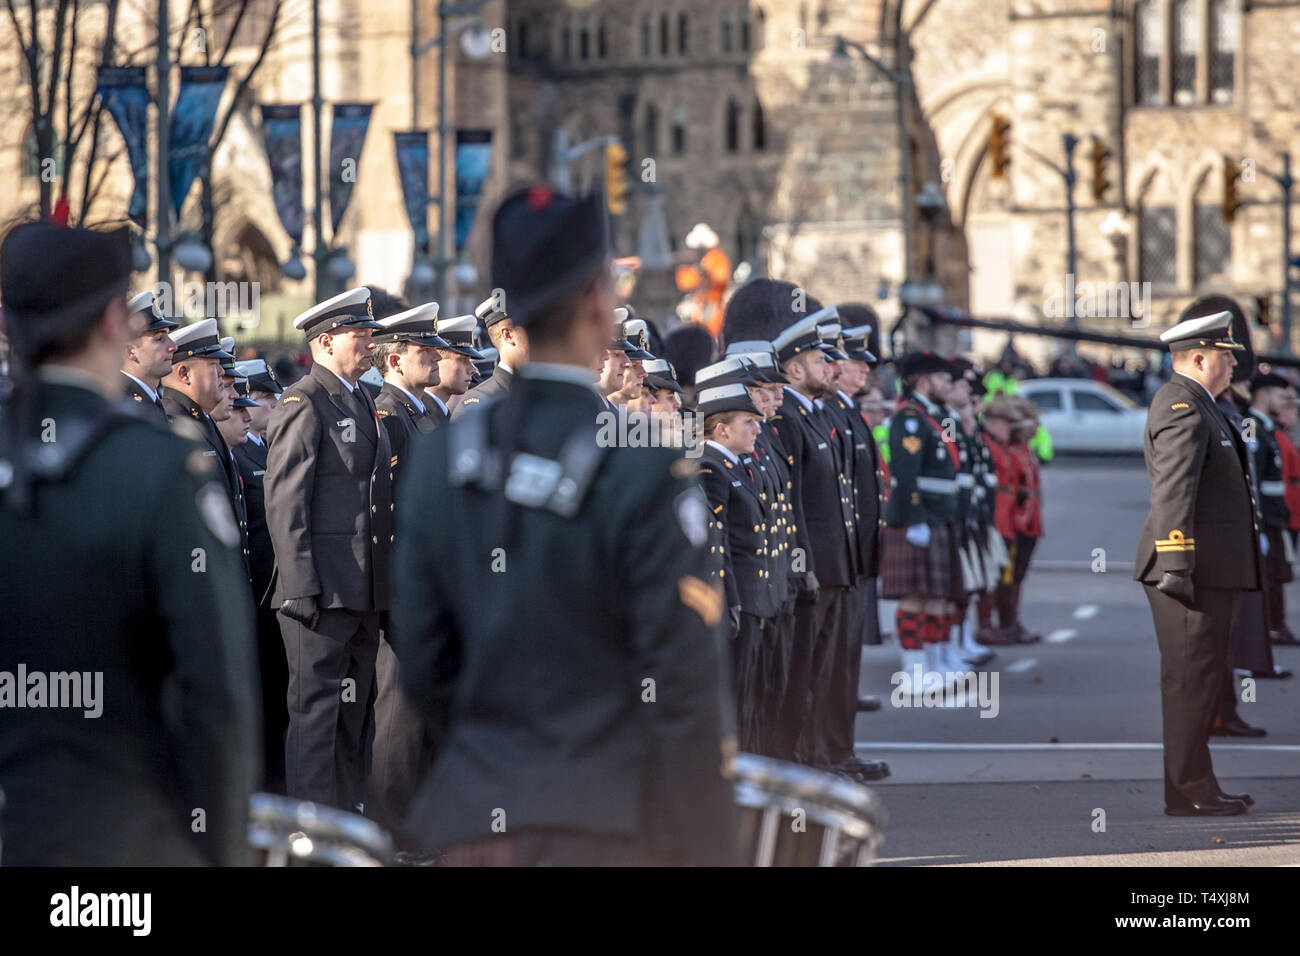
(1099, 156)
(1231, 176)
(616, 178)
(1262, 310)
(1000, 145)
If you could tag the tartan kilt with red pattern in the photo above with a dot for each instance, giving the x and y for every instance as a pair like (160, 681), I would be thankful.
(932, 571)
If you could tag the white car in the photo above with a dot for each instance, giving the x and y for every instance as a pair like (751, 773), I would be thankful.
(1086, 416)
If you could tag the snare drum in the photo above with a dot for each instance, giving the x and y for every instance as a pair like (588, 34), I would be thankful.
(287, 832)
(794, 816)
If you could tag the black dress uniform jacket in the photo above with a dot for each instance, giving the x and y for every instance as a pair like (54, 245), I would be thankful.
(533, 675)
(180, 406)
(922, 477)
(868, 494)
(153, 407)
(329, 495)
(1268, 471)
(250, 459)
(402, 418)
(495, 387)
(1202, 516)
(822, 497)
(735, 500)
(100, 575)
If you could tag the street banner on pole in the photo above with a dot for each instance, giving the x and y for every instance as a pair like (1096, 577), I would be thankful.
(413, 171)
(473, 164)
(347, 138)
(191, 126)
(282, 135)
(123, 92)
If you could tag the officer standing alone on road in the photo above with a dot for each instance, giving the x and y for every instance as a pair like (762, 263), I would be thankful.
(1198, 551)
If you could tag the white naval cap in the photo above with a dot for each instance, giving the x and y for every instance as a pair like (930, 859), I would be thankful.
(198, 340)
(145, 303)
(418, 325)
(1212, 331)
(729, 371)
(261, 377)
(724, 398)
(802, 336)
(490, 310)
(459, 335)
(351, 309)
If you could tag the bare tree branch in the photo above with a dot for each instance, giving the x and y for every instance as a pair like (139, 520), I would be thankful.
(97, 108)
(234, 28)
(93, 191)
(244, 82)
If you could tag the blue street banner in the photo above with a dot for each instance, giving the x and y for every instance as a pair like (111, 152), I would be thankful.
(191, 126)
(123, 92)
(282, 136)
(347, 138)
(473, 163)
(413, 171)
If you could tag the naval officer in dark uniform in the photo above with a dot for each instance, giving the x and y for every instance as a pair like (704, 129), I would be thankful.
(148, 356)
(106, 521)
(1198, 551)
(407, 354)
(511, 342)
(250, 456)
(329, 506)
(577, 597)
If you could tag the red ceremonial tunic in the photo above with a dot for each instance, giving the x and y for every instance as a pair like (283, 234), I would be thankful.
(1290, 475)
(1029, 507)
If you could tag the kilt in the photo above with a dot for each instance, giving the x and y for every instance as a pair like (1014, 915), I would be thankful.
(933, 571)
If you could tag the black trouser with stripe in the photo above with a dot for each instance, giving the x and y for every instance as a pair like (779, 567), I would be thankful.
(1194, 651)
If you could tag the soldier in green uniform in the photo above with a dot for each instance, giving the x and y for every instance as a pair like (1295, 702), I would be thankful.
(127, 627)
(570, 659)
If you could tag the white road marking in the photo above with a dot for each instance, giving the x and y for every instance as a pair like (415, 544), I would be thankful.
(1061, 635)
(918, 745)
(1022, 665)
(1085, 612)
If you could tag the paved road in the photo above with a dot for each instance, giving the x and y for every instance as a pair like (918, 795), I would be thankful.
(1077, 727)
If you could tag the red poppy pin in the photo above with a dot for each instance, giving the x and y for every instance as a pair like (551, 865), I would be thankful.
(539, 197)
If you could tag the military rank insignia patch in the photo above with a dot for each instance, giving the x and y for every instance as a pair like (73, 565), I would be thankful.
(693, 516)
(1177, 405)
(214, 509)
(911, 444)
(704, 599)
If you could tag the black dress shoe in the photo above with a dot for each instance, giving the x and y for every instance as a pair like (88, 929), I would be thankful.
(1283, 636)
(1238, 728)
(865, 770)
(1245, 798)
(866, 704)
(1207, 808)
(1277, 673)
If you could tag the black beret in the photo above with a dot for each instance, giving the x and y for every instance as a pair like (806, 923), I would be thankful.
(545, 245)
(55, 279)
(1262, 380)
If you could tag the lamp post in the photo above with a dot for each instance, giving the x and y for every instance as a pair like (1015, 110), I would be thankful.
(901, 79)
(162, 199)
(452, 19)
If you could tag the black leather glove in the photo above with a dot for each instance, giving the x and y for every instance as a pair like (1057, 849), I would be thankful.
(733, 613)
(303, 610)
(1178, 585)
(808, 588)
